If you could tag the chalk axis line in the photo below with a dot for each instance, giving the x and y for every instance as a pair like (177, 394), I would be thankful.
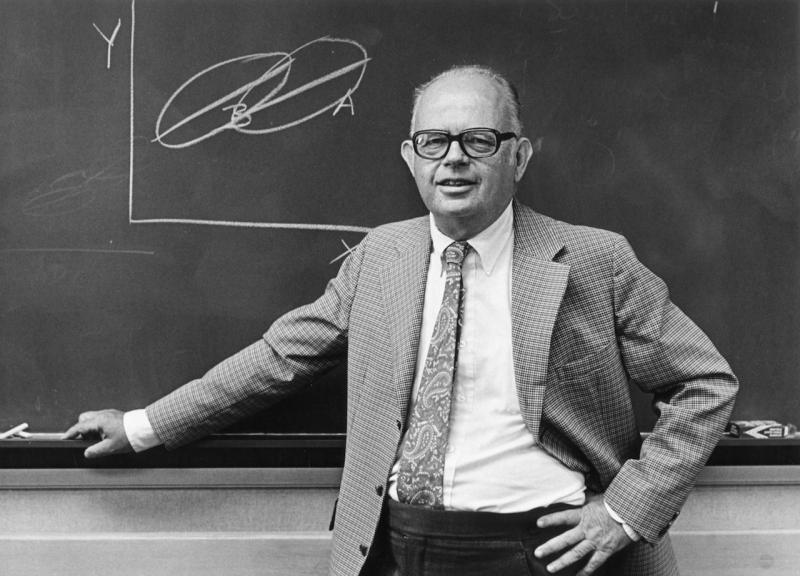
(206, 222)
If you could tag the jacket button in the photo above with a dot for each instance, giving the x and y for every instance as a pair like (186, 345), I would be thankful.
(363, 549)
(399, 425)
(379, 490)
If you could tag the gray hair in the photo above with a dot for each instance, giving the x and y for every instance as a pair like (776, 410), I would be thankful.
(508, 90)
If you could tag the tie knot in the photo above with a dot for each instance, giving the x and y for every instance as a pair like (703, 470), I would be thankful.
(455, 253)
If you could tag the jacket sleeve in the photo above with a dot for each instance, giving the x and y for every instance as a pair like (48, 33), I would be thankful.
(300, 345)
(693, 390)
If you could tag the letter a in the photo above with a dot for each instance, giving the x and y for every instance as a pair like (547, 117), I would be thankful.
(348, 102)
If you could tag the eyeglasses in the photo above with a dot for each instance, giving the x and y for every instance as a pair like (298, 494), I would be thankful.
(475, 142)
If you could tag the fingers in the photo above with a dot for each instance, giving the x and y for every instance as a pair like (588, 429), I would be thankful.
(87, 423)
(108, 424)
(563, 518)
(561, 542)
(579, 548)
(564, 540)
(573, 555)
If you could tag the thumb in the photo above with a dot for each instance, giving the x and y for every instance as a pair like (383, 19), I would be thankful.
(100, 449)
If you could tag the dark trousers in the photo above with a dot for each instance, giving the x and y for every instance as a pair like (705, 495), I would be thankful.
(416, 541)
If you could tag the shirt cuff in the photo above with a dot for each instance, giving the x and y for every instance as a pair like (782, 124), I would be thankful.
(632, 534)
(139, 431)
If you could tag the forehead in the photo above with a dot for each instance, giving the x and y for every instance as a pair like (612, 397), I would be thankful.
(459, 102)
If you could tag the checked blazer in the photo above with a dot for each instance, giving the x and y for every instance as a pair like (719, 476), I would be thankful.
(587, 319)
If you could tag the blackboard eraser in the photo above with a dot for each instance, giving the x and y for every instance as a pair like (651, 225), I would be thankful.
(759, 429)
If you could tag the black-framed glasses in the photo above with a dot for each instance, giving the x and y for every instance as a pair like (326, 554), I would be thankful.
(475, 142)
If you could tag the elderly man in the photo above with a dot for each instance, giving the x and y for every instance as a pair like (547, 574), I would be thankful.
(489, 348)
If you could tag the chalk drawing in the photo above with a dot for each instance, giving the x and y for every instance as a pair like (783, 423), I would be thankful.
(109, 41)
(347, 251)
(78, 188)
(240, 114)
(346, 102)
(72, 191)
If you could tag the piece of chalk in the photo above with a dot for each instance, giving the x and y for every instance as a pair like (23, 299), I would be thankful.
(14, 430)
(46, 436)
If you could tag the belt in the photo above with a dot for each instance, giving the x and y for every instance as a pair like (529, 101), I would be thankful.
(416, 520)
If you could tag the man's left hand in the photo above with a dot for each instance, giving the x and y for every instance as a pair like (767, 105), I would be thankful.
(594, 533)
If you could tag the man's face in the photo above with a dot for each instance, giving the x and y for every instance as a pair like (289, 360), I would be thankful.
(465, 195)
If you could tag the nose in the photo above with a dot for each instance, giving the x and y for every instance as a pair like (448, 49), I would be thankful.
(455, 153)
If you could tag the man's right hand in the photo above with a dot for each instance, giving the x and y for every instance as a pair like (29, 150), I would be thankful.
(107, 424)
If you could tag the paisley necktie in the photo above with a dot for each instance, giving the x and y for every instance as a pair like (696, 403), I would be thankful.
(421, 458)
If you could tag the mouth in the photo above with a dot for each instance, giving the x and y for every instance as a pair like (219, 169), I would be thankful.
(455, 184)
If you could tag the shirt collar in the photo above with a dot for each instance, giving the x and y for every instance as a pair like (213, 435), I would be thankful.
(488, 244)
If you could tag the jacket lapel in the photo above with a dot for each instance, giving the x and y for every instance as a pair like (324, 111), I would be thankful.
(538, 286)
(403, 285)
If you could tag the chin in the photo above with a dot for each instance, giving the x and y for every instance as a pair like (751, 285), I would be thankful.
(459, 206)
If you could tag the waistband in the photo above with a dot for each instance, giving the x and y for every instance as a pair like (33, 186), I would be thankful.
(416, 520)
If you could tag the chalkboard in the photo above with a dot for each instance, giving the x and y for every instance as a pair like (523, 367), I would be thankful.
(175, 175)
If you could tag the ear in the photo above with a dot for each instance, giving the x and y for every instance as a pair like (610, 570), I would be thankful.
(408, 154)
(521, 158)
